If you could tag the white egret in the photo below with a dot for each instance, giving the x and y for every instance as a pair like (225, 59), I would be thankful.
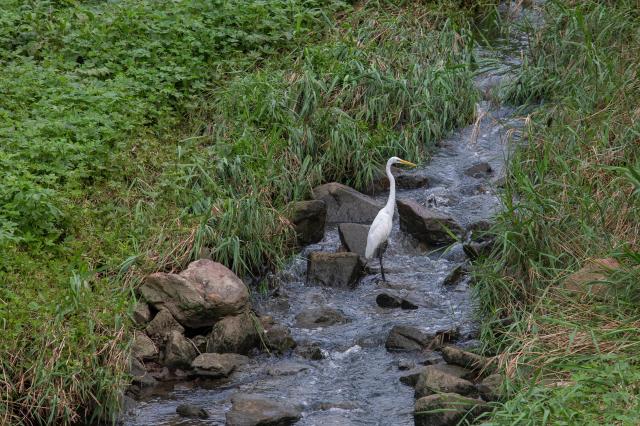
(381, 226)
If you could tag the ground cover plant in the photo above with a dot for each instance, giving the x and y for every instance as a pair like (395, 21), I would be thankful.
(136, 135)
(571, 196)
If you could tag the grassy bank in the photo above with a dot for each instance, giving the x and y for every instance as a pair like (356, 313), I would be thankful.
(136, 134)
(572, 194)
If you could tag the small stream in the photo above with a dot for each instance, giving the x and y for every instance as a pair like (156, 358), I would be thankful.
(357, 383)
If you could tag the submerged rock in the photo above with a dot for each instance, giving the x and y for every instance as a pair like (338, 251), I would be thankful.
(217, 365)
(319, 317)
(310, 351)
(446, 409)
(287, 368)
(334, 269)
(434, 380)
(237, 334)
(479, 170)
(201, 294)
(392, 300)
(278, 338)
(406, 338)
(345, 204)
(254, 410)
(427, 225)
(353, 237)
(178, 351)
(309, 218)
(190, 410)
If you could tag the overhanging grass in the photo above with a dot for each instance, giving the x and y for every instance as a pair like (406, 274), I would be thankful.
(571, 195)
(136, 134)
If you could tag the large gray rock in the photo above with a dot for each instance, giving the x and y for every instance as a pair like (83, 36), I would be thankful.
(474, 362)
(434, 380)
(178, 351)
(404, 180)
(353, 237)
(309, 218)
(237, 334)
(446, 409)
(334, 269)
(427, 225)
(345, 204)
(143, 347)
(406, 338)
(162, 324)
(198, 296)
(217, 365)
(319, 317)
(254, 410)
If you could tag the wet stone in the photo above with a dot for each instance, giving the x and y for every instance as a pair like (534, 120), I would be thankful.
(479, 170)
(217, 365)
(309, 219)
(391, 300)
(287, 368)
(143, 347)
(319, 317)
(334, 269)
(406, 338)
(427, 225)
(310, 351)
(446, 409)
(163, 323)
(456, 371)
(433, 380)
(345, 204)
(237, 334)
(454, 355)
(353, 237)
(254, 410)
(190, 410)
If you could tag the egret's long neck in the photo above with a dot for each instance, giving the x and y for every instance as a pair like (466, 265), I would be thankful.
(391, 202)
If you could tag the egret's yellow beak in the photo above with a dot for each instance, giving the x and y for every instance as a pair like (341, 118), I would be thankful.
(408, 163)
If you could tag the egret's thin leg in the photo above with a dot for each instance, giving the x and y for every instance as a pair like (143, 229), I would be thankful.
(381, 267)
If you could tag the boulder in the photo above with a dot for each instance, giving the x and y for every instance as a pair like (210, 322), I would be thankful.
(404, 180)
(334, 269)
(141, 313)
(427, 225)
(237, 334)
(592, 278)
(162, 324)
(278, 338)
(345, 204)
(319, 317)
(406, 338)
(143, 347)
(178, 351)
(433, 380)
(393, 300)
(446, 409)
(469, 360)
(190, 410)
(201, 294)
(217, 365)
(353, 237)
(479, 170)
(490, 388)
(254, 410)
(309, 219)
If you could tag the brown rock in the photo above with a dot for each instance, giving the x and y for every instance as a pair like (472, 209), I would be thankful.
(446, 409)
(237, 334)
(217, 365)
(178, 351)
(141, 313)
(254, 410)
(198, 296)
(433, 380)
(427, 225)
(334, 269)
(345, 204)
(162, 324)
(143, 347)
(469, 360)
(309, 219)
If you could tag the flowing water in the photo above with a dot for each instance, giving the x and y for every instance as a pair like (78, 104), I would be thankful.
(357, 383)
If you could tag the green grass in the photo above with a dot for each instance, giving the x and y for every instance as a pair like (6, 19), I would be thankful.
(136, 134)
(571, 195)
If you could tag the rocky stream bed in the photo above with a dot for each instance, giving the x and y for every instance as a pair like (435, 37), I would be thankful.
(333, 344)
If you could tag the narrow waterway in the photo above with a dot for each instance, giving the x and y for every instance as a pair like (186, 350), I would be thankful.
(357, 382)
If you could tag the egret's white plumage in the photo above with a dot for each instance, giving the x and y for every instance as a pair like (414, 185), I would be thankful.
(381, 227)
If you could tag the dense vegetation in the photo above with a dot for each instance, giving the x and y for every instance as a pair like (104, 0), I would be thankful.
(136, 134)
(572, 194)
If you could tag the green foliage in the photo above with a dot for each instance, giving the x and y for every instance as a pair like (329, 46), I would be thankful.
(569, 197)
(134, 135)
